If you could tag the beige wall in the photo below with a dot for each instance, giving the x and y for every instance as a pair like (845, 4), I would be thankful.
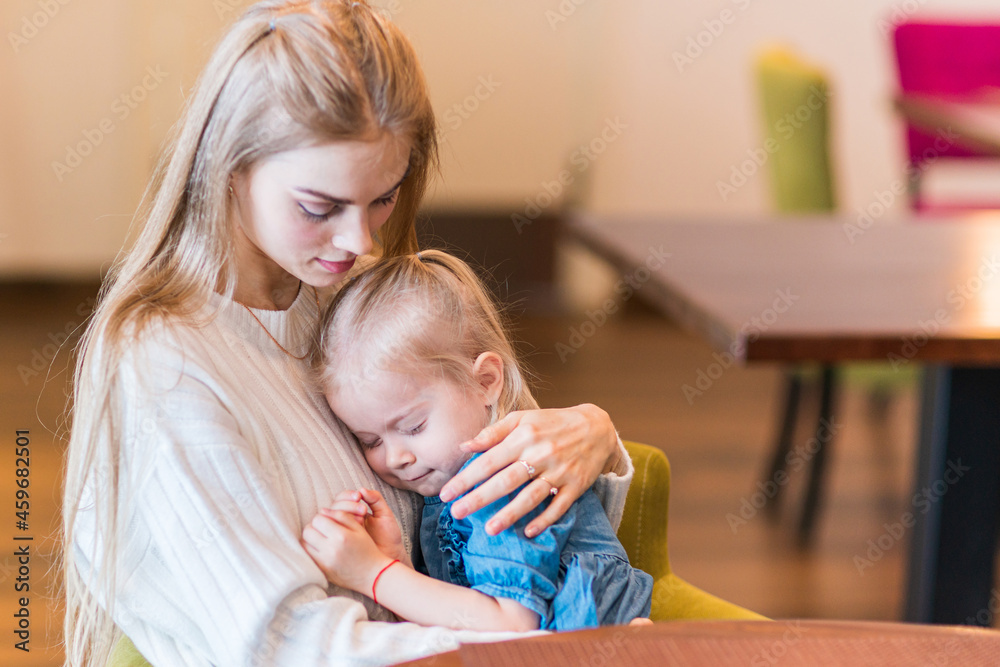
(531, 88)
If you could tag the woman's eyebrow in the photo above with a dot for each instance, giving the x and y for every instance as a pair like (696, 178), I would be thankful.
(348, 202)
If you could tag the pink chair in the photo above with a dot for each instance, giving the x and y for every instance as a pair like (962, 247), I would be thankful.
(952, 61)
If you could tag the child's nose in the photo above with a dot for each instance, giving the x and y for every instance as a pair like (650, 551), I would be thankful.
(399, 457)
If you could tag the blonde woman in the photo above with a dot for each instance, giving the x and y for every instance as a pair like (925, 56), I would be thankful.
(198, 450)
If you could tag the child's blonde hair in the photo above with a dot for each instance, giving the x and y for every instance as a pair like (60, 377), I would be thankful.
(420, 313)
(287, 74)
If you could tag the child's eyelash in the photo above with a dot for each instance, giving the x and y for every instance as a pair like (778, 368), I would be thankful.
(416, 429)
(369, 445)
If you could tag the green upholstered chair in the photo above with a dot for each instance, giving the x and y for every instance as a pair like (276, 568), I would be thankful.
(125, 654)
(643, 532)
(796, 112)
(794, 97)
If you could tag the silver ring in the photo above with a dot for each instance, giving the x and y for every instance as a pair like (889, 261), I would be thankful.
(530, 468)
(554, 490)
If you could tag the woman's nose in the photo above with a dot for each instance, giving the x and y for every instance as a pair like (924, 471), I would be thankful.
(354, 233)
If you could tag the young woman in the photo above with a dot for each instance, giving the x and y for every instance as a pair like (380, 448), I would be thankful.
(413, 357)
(198, 451)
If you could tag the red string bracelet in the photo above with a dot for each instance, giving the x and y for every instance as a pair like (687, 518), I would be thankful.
(378, 576)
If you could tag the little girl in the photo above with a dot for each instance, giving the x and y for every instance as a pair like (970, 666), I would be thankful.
(413, 358)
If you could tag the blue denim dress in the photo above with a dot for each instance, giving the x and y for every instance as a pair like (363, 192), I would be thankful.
(574, 575)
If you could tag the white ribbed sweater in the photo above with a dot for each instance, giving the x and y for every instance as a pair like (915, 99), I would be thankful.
(227, 452)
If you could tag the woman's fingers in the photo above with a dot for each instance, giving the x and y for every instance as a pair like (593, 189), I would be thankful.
(493, 433)
(559, 505)
(566, 444)
(494, 460)
(529, 497)
(501, 482)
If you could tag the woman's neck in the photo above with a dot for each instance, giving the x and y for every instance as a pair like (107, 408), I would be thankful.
(257, 289)
(260, 282)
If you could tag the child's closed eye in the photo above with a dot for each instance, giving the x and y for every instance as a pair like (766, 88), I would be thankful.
(416, 429)
(370, 443)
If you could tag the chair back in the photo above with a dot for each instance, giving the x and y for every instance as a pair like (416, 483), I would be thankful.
(643, 530)
(950, 60)
(795, 102)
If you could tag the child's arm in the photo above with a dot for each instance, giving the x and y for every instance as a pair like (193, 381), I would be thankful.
(422, 599)
(349, 558)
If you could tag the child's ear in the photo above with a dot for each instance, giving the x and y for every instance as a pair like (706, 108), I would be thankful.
(488, 371)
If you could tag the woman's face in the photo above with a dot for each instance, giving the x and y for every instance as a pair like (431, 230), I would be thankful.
(310, 212)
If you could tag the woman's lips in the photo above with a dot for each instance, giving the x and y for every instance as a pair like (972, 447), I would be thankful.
(336, 267)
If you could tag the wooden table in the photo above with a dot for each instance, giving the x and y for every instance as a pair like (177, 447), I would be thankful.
(713, 643)
(975, 124)
(837, 290)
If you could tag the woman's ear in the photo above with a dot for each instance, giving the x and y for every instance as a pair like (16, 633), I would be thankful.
(488, 371)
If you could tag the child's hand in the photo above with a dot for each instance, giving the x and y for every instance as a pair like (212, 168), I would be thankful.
(343, 550)
(370, 509)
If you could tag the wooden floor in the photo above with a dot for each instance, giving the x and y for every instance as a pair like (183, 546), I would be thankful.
(635, 366)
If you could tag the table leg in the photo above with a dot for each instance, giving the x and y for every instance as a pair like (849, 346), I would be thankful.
(956, 501)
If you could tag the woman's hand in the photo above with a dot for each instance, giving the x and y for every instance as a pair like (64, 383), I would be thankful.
(343, 550)
(568, 447)
(370, 510)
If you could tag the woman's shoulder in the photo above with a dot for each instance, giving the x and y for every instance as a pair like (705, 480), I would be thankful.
(158, 350)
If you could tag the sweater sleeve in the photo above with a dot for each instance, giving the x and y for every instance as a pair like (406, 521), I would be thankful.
(212, 568)
(612, 488)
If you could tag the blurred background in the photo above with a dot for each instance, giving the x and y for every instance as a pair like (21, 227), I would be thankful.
(640, 107)
(519, 87)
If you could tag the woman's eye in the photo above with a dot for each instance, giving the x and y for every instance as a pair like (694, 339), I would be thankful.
(387, 200)
(311, 214)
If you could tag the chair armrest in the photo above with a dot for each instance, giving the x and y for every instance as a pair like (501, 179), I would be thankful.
(675, 599)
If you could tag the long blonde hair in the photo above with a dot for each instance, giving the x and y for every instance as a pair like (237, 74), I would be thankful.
(413, 313)
(286, 75)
